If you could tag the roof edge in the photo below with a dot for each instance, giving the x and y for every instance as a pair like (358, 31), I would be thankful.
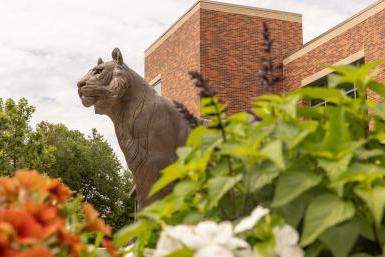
(337, 30)
(224, 7)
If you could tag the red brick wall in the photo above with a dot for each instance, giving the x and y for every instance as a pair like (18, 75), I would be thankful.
(177, 55)
(367, 35)
(231, 50)
(226, 49)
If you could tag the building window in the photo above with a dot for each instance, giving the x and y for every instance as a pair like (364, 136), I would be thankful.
(158, 87)
(349, 89)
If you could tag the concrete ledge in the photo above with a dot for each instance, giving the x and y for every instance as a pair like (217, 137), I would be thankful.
(251, 11)
(337, 30)
(223, 7)
(154, 80)
(348, 60)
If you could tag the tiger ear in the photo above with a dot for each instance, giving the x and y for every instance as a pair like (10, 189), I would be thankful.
(117, 56)
(100, 61)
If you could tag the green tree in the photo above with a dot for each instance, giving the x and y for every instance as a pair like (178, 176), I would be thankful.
(90, 167)
(20, 146)
(87, 165)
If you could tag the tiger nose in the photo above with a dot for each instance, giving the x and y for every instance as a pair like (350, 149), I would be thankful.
(81, 84)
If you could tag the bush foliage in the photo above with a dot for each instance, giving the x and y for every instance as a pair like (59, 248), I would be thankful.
(321, 169)
(38, 218)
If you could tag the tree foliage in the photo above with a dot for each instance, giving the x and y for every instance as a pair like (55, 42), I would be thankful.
(322, 169)
(20, 146)
(87, 165)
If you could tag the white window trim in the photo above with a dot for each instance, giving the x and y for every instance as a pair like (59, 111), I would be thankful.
(318, 75)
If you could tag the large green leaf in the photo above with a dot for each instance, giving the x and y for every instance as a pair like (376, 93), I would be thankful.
(219, 186)
(292, 184)
(292, 134)
(260, 175)
(340, 239)
(293, 212)
(360, 172)
(337, 141)
(170, 174)
(374, 199)
(273, 151)
(380, 110)
(334, 168)
(377, 87)
(324, 212)
(327, 94)
(123, 236)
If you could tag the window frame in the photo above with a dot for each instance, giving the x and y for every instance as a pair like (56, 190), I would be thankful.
(323, 82)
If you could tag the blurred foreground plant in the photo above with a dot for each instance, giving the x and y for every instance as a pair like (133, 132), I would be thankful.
(39, 219)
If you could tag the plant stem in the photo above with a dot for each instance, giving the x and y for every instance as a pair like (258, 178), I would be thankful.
(377, 238)
(221, 127)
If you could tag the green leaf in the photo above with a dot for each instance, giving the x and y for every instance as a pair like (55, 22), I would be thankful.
(183, 152)
(273, 151)
(288, 133)
(263, 175)
(324, 212)
(219, 186)
(340, 239)
(364, 154)
(337, 141)
(334, 168)
(293, 212)
(170, 174)
(314, 250)
(379, 109)
(123, 236)
(362, 172)
(184, 252)
(292, 184)
(377, 87)
(184, 188)
(374, 199)
(328, 94)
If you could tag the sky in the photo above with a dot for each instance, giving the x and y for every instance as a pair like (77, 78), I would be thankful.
(47, 45)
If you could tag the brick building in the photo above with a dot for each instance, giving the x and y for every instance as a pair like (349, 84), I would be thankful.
(223, 42)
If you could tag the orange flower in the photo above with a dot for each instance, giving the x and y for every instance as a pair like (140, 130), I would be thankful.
(58, 190)
(35, 252)
(93, 222)
(8, 252)
(7, 233)
(32, 180)
(48, 216)
(72, 241)
(28, 230)
(9, 188)
(111, 248)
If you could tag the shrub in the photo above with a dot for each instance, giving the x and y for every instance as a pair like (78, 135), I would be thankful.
(320, 169)
(38, 218)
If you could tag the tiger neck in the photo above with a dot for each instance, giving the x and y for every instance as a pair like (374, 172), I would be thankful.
(128, 120)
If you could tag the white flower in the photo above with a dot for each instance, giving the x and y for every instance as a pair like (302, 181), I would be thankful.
(286, 239)
(250, 221)
(214, 251)
(186, 235)
(207, 239)
(166, 244)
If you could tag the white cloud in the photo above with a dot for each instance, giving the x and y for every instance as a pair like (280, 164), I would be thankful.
(47, 45)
